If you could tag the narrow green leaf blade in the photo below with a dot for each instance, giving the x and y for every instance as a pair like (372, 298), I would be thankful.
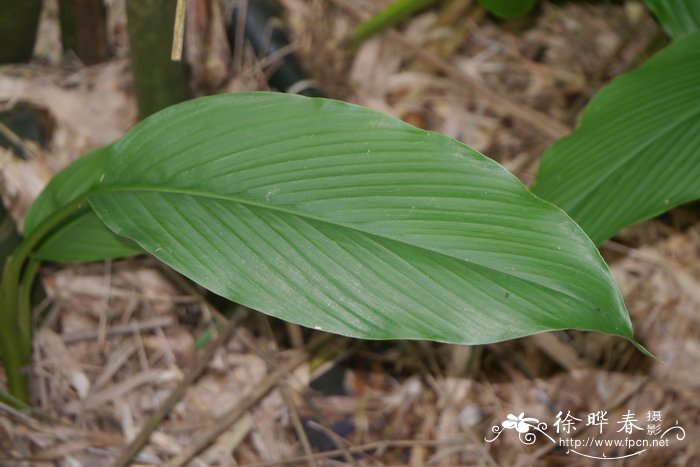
(66, 186)
(679, 18)
(508, 9)
(335, 216)
(85, 237)
(387, 17)
(636, 151)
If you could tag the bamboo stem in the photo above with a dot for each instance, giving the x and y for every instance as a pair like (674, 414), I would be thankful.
(159, 82)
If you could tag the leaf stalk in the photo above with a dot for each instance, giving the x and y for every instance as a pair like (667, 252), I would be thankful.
(18, 275)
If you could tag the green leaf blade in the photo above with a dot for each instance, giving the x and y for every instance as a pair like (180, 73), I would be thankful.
(635, 152)
(679, 18)
(508, 9)
(334, 216)
(66, 186)
(84, 237)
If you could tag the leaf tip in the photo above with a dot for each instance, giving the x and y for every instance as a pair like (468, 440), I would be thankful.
(643, 349)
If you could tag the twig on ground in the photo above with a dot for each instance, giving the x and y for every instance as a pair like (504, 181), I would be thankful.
(154, 421)
(56, 427)
(297, 423)
(338, 440)
(222, 423)
(373, 446)
(499, 100)
(285, 389)
(179, 30)
(120, 329)
(561, 351)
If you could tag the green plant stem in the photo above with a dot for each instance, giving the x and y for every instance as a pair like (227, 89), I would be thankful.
(12, 401)
(9, 338)
(15, 320)
(25, 307)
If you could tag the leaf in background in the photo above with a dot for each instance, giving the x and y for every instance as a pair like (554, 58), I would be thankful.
(636, 151)
(397, 11)
(66, 186)
(679, 18)
(85, 237)
(338, 217)
(508, 9)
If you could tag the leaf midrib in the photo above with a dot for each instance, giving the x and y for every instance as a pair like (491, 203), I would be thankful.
(305, 215)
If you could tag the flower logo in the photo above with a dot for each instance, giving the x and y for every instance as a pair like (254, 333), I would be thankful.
(521, 423)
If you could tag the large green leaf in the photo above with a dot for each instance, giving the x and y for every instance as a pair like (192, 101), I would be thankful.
(508, 9)
(679, 18)
(85, 237)
(636, 151)
(338, 217)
